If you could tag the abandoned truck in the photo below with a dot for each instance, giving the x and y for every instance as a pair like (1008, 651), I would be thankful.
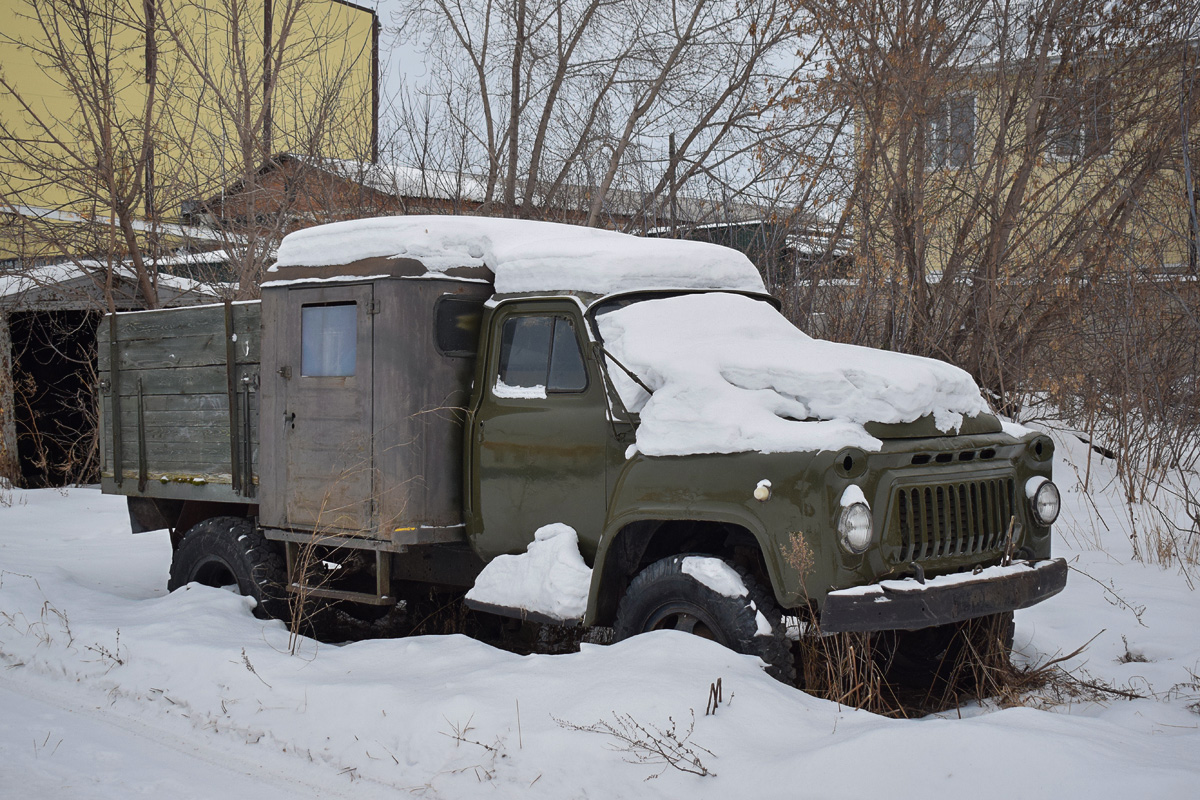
(572, 425)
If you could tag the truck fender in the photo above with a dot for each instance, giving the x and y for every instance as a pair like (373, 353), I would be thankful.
(625, 541)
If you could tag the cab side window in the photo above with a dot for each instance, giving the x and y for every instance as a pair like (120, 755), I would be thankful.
(567, 373)
(541, 352)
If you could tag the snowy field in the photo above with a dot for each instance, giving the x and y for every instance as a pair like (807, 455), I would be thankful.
(111, 688)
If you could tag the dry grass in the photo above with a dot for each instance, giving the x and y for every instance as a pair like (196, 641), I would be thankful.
(908, 674)
(912, 673)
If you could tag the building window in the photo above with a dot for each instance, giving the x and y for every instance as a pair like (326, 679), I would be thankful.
(951, 133)
(1082, 121)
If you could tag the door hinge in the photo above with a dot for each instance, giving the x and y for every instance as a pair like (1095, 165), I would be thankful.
(373, 307)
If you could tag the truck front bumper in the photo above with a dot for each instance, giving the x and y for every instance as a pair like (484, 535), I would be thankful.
(908, 604)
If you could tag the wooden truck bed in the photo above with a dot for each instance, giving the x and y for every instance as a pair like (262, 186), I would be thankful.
(179, 402)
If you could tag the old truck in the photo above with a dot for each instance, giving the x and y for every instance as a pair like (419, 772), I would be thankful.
(575, 425)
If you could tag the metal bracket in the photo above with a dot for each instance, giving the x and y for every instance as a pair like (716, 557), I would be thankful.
(383, 580)
(114, 370)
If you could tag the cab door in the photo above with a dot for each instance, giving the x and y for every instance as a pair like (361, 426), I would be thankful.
(327, 408)
(539, 433)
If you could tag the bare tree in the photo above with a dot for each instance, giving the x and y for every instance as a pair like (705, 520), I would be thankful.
(1019, 182)
(8, 421)
(295, 83)
(68, 165)
(563, 106)
(155, 107)
(1001, 151)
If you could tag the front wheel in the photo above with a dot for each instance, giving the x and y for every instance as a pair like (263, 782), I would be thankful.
(228, 551)
(954, 654)
(706, 596)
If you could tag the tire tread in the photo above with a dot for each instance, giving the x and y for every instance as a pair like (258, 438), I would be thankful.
(738, 613)
(255, 562)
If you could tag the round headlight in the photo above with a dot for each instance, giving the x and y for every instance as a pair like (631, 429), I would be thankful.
(1046, 503)
(854, 527)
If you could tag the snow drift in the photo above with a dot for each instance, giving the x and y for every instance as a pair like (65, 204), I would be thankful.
(550, 578)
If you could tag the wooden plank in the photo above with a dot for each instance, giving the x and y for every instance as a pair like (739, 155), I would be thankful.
(189, 419)
(155, 471)
(182, 435)
(214, 488)
(187, 321)
(176, 381)
(199, 350)
(206, 455)
(179, 381)
(193, 404)
(137, 332)
(185, 404)
(175, 434)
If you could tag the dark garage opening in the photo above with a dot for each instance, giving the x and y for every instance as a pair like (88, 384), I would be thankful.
(54, 367)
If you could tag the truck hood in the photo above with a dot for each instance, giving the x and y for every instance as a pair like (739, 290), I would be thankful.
(728, 373)
(925, 427)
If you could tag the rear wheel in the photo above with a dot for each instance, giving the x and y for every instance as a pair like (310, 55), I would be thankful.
(230, 551)
(665, 596)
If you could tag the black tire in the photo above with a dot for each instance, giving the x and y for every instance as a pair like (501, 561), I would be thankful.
(663, 596)
(1007, 631)
(931, 657)
(221, 551)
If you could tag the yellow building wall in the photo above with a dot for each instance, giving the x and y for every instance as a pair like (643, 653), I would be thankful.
(1058, 194)
(207, 122)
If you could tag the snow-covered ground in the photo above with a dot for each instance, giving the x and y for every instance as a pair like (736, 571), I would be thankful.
(111, 688)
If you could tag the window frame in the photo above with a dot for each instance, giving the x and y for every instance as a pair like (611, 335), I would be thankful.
(938, 147)
(1088, 102)
(437, 307)
(354, 304)
(557, 317)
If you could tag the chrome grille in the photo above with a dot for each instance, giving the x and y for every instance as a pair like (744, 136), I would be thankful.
(952, 519)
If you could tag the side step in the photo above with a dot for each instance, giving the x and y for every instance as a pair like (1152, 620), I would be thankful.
(383, 578)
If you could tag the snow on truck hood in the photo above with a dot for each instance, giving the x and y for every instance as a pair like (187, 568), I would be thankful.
(730, 374)
(526, 256)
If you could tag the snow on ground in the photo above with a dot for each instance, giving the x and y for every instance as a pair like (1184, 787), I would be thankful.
(111, 688)
(526, 255)
(731, 374)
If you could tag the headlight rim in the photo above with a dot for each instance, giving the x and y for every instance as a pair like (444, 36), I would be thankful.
(844, 530)
(1046, 485)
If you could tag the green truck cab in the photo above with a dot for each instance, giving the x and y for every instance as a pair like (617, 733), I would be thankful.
(427, 403)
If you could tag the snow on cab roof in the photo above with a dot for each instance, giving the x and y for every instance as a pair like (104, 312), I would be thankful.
(525, 255)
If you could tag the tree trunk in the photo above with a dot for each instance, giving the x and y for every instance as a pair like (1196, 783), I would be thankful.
(514, 114)
(9, 467)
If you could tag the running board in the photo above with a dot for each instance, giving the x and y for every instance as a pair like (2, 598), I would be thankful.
(383, 581)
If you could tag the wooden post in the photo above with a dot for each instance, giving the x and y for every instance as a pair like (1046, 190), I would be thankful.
(8, 422)
(672, 156)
